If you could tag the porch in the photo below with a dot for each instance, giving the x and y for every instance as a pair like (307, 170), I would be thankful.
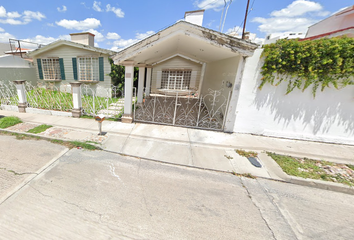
(191, 76)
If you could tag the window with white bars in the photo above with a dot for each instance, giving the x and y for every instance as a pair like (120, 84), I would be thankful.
(176, 79)
(51, 69)
(88, 69)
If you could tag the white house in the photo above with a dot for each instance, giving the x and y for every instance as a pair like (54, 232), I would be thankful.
(192, 76)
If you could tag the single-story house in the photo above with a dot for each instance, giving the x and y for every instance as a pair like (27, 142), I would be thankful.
(191, 75)
(62, 62)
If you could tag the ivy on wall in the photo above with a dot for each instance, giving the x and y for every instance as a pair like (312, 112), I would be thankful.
(318, 63)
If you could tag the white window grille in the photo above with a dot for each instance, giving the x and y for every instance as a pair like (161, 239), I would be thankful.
(51, 69)
(88, 69)
(176, 79)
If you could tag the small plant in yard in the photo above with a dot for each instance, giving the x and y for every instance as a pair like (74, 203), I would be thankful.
(228, 157)
(6, 122)
(315, 169)
(246, 154)
(39, 129)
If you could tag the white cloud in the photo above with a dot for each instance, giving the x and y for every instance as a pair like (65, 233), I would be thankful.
(13, 15)
(41, 39)
(96, 44)
(88, 23)
(296, 17)
(4, 37)
(123, 43)
(12, 21)
(2, 30)
(297, 8)
(144, 35)
(98, 36)
(63, 9)
(113, 36)
(119, 13)
(272, 25)
(211, 4)
(97, 6)
(27, 17)
(2, 12)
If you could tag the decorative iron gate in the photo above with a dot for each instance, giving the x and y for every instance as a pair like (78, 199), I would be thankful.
(206, 112)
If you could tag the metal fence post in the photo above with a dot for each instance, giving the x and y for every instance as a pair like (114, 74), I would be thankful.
(77, 104)
(21, 92)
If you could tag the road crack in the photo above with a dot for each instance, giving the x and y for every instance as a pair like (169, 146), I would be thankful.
(259, 209)
(17, 173)
(70, 203)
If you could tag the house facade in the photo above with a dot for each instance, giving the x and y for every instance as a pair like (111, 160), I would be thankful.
(62, 62)
(190, 75)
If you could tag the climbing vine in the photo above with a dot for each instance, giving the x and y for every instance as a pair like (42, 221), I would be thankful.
(317, 63)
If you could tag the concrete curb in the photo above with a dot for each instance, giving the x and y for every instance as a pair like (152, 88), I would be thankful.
(277, 173)
(274, 170)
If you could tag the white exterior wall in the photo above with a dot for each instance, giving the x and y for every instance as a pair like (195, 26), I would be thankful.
(67, 53)
(329, 117)
(218, 73)
(175, 63)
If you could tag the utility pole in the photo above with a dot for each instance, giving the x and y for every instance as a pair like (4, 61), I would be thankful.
(244, 22)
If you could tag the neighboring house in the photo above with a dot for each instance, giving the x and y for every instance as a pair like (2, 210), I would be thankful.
(4, 47)
(190, 61)
(62, 62)
(339, 24)
(273, 37)
(15, 68)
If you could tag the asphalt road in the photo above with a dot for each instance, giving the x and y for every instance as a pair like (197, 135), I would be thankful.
(99, 195)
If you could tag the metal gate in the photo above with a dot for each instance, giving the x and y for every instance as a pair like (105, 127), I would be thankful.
(189, 110)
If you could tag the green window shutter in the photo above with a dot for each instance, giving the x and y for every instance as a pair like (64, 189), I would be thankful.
(101, 69)
(74, 68)
(62, 70)
(39, 65)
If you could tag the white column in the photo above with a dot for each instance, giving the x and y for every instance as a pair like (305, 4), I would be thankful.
(141, 83)
(22, 99)
(231, 111)
(77, 104)
(128, 92)
(148, 80)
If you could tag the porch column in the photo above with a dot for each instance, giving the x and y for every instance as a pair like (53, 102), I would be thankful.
(128, 92)
(22, 99)
(231, 111)
(77, 104)
(148, 80)
(141, 83)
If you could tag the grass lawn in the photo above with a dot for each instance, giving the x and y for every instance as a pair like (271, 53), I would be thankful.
(39, 129)
(6, 122)
(315, 169)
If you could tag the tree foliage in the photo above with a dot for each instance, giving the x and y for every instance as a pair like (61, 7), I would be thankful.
(318, 63)
(117, 75)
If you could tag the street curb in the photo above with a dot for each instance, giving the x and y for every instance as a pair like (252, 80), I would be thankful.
(274, 170)
(277, 172)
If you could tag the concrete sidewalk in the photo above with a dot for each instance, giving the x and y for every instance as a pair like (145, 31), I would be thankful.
(186, 146)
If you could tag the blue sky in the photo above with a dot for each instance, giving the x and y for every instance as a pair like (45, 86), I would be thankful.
(119, 23)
